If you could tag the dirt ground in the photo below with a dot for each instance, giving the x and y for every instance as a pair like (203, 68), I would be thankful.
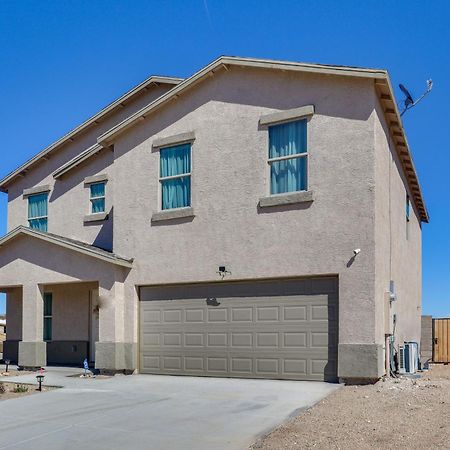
(392, 414)
(7, 390)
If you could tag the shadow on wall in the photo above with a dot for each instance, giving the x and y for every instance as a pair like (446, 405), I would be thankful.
(94, 165)
(104, 238)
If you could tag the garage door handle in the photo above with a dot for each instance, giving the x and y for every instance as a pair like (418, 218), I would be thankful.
(212, 301)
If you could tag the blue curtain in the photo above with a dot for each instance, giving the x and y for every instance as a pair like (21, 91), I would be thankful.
(176, 193)
(288, 175)
(98, 197)
(38, 211)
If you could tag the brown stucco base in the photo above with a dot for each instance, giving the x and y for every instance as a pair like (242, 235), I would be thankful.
(32, 354)
(67, 352)
(115, 356)
(360, 362)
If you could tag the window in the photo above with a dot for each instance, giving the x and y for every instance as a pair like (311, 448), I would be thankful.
(97, 197)
(175, 176)
(38, 212)
(48, 306)
(288, 157)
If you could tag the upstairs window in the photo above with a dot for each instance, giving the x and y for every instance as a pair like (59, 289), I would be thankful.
(97, 197)
(38, 212)
(175, 176)
(288, 157)
(48, 316)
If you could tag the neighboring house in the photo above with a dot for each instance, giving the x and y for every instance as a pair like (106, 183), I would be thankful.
(210, 226)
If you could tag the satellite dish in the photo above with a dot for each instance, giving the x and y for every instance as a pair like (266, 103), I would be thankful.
(409, 101)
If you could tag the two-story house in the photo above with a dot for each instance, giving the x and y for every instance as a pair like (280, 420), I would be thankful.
(257, 219)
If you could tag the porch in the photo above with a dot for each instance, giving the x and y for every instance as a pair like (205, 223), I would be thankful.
(70, 322)
(66, 301)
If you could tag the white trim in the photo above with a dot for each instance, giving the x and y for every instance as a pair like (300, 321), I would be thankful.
(282, 158)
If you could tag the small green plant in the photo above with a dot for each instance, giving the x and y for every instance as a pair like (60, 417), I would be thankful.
(2, 388)
(20, 389)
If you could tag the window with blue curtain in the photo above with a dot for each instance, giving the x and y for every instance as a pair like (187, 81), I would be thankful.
(288, 157)
(97, 197)
(38, 212)
(175, 176)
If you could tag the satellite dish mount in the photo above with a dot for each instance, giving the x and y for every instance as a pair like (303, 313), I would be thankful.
(409, 102)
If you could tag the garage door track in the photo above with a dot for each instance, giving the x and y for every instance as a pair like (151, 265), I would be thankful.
(151, 412)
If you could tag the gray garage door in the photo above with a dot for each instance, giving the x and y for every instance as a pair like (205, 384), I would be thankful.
(277, 329)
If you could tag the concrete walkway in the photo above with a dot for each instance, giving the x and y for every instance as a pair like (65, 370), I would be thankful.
(150, 411)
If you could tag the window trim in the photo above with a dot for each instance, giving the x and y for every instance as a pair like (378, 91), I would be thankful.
(269, 161)
(29, 218)
(174, 177)
(288, 115)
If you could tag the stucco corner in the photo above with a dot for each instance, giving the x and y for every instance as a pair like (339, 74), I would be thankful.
(360, 361)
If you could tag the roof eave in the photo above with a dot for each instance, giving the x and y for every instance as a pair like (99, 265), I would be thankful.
(398, 136)
(128, 263)
(108, 109)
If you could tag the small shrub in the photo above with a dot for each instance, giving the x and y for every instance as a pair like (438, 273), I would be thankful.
(20, 389)
(2, 388)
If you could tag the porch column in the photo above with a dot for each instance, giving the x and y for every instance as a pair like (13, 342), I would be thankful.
(32, 348)
(112, 352)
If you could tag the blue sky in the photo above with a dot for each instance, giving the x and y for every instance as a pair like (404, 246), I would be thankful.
(61, 61)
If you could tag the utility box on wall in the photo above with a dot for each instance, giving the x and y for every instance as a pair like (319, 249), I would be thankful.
(388, 315)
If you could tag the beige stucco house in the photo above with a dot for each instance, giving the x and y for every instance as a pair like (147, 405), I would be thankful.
(258, 219)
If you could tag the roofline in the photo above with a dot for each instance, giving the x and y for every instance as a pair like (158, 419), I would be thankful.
(223, 62)
(59, 240)
(154, 79)
(398, 136)
(378, 75)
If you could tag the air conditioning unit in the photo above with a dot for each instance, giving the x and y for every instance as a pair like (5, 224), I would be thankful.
(408, 358)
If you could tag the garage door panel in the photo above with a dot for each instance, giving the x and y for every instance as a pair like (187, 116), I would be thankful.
(262, 336)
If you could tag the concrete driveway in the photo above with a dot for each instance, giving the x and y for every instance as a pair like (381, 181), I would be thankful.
(151, 412)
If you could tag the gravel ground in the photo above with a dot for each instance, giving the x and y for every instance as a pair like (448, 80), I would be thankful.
(391, 414)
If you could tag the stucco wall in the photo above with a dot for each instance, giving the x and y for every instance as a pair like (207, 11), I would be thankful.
(69, 199)
(229, 177)
(70, 311)
(397, 243)
(14, 314)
